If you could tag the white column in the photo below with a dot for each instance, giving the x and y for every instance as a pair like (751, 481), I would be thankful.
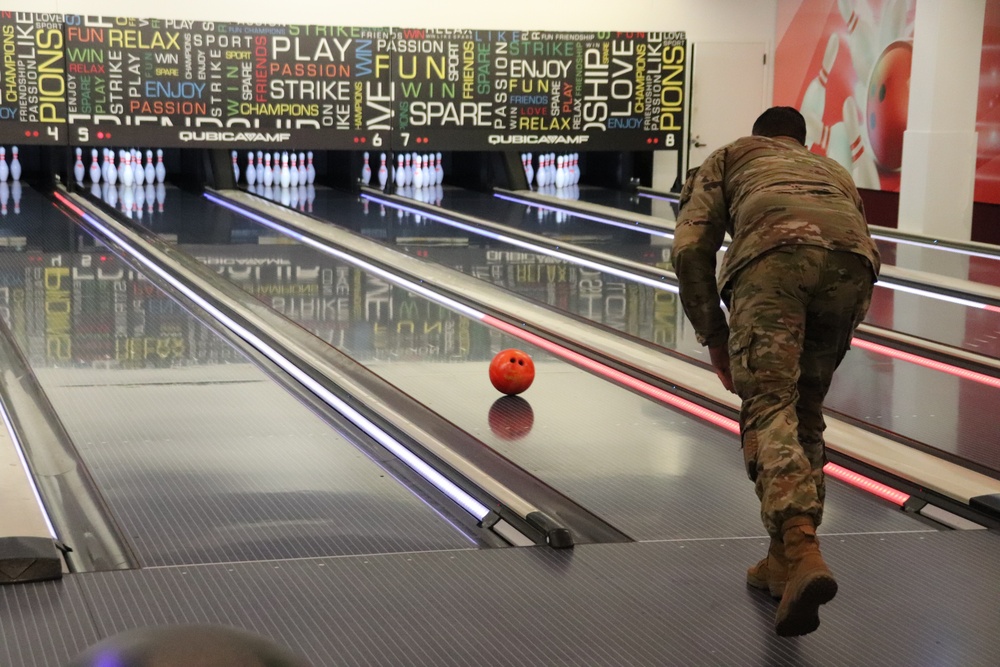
(939, 145)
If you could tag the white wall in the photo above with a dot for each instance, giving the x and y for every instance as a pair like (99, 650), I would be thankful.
(707, 20)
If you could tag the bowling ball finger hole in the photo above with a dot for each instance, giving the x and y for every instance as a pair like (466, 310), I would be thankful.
(881, 93)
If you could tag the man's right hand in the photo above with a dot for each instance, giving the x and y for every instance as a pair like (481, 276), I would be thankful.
(719, 355)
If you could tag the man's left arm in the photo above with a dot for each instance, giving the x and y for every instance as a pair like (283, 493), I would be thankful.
(699, 233)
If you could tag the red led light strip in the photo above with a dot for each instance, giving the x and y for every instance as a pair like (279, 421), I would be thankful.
(963, 373)
(866, 484)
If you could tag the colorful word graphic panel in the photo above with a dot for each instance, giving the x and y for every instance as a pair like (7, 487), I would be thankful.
(197, 83)
(32, 79)
(477, 90)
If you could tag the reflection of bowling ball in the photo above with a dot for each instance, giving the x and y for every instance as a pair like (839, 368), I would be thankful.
(511, 417)
(888, 101)
(512, 371)
(187, 646)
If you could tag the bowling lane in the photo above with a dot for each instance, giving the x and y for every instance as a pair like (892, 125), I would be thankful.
(968, 326)
(925, 254)
(944, 413)
(921, 255)
(634, 462)
(629, 202)
(199, 454)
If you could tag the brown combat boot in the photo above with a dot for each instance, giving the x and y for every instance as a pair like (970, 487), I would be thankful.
(771, 572)
(810, 582)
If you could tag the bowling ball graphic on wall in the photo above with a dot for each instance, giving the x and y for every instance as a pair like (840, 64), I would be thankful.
(888, 100)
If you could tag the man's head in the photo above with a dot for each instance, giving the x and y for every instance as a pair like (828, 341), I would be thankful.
(781, 122)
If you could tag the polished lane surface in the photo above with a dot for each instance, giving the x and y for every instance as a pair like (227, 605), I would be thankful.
(942, 412)
(971, 328)
(200, 455)
(912, 254)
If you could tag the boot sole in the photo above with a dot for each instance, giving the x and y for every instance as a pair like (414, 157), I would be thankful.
(801, 615)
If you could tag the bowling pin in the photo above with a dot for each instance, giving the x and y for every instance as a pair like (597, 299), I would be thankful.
(150, 169)
(4, 196)
(860, 36)
(268, 174)
(418, 174)
(260, 167)
(310, 169)
(95, 167)
(293, 171)
(814, 99)
(121, 165)
(236, 169)
(438, 169)
(15, 164)
(4, 169)
(366, 171)
(112, 176)
(303, 173)
(383, 173)
(138, 173)
(286, 175)
(161, 171)
(560, 179)
(127, 174)
(529, 172)
(251, 169)
(400, 171)
(863, 167)
(78, 169)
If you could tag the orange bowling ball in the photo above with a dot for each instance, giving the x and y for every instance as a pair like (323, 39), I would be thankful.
(512, 371)
(888, 104)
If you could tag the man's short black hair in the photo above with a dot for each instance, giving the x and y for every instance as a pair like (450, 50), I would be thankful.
(781, 122)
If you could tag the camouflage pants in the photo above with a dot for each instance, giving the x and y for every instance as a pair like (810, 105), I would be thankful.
(793, 312)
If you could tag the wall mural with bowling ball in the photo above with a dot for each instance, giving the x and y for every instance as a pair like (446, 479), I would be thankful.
(32, 79)
(210, 84)
(987, 187)
(521, 90)
(845, 64)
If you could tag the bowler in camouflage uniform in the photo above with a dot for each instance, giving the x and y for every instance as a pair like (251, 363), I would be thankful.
(797, 280)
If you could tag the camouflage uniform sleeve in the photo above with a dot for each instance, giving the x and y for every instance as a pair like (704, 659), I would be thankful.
(699, 233)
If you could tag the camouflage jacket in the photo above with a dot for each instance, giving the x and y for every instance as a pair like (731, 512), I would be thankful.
(763, 192)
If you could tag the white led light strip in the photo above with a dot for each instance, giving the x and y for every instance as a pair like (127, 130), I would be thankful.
(27, 470)
(466, 501)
